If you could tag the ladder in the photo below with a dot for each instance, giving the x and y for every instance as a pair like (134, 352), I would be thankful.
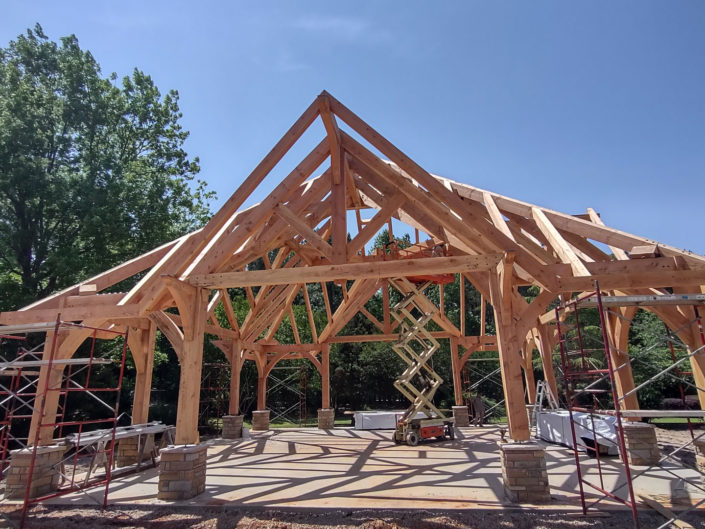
(419, 381)
(543, 392)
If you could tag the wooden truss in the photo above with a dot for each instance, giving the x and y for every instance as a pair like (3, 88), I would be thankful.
(301, 229)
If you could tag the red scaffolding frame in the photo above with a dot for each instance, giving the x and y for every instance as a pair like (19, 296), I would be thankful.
(68, 385)
(590, 387)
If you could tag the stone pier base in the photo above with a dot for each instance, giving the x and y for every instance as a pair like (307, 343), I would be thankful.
(260, 420)
(461, 416)
(128, 450)
(326, 418)
(524, 473)
(46, 477)
(232, 426)
(640, 441)
(182, 472)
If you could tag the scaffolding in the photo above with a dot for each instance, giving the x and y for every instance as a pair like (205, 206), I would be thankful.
(590, 365)
(215, 396)
(97, 377)
(286, 394)
(18, 387)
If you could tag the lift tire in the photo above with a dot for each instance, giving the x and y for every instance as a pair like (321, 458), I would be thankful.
(395, 439)
(450, 432)
(412, 438)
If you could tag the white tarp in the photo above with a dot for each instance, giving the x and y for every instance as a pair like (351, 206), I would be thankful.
(554, 426)
(380, 420)
(377, 420)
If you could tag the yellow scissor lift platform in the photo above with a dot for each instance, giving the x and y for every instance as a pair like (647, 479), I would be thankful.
(419, 381)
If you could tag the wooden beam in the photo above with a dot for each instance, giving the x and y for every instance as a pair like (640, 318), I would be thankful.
(373, 269)
(558, 243)
(374, 225)
(496, 216)
(91, 311)
(305, 230)
(619, 254)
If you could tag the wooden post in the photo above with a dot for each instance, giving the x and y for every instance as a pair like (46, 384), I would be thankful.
(483, 314)
(529, 372)
(618, 330)
(141, 343)
(501, 293)
(191, 363)
(455, 366)
(545, 345)
(66, 344)
(235, 370)
(325, 376)
(462, 305)
(192, 303)
(261, 381)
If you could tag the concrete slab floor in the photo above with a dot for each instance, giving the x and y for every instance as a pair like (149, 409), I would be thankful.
(347, 468)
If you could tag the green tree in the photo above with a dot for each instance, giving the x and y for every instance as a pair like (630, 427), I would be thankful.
(92, 169)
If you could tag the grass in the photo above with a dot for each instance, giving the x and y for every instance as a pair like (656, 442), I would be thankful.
(675, 420)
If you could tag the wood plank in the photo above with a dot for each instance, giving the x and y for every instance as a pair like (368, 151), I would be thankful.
(558, 243)
(658, 279)
(496, 216)
(373, 269)
(104, 312)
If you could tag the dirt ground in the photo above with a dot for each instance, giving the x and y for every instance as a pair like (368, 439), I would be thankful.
(167, 518)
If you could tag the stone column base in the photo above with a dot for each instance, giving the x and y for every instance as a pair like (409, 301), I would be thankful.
(232, 426)
(260, 420)
(461, 416)
(640, 442)
(182, 472)
(128, 450)
(326, 418)
(524, 473)
(46, 477)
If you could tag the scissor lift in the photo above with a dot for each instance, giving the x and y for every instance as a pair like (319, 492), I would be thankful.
(419, 381)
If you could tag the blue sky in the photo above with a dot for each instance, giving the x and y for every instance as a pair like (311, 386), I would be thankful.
(565, 104)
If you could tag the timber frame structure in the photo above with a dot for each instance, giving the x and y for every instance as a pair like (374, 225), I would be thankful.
(301, 229)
